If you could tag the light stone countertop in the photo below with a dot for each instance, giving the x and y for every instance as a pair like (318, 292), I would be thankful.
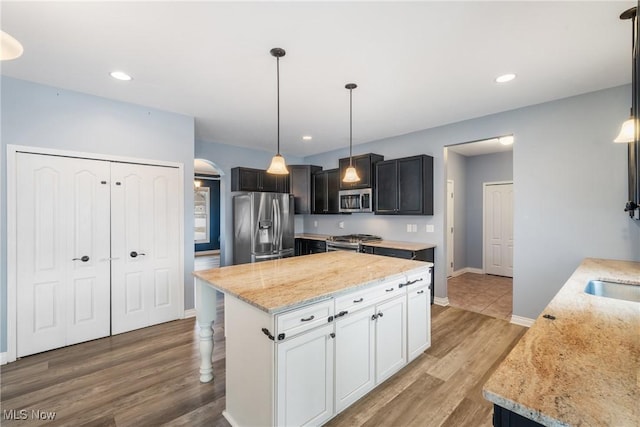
(407, 246)
(311, 236)
(280, 285)
(583, 368)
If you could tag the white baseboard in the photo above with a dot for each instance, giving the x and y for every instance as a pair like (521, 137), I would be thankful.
(190, 313)
(441, 301)
(3, 358)
(522, 321)
(467, 270)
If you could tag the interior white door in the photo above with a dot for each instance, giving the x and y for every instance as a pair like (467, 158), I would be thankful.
(450, 230)
(498, 220)
(144, 246)
(62, 251)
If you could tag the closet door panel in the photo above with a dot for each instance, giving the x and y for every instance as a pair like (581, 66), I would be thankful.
(145, 239)
(62, 216)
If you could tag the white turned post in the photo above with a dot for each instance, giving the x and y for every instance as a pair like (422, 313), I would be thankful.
(206, 303)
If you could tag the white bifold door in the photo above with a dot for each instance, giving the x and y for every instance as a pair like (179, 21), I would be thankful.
(79, 221)
(144, 246)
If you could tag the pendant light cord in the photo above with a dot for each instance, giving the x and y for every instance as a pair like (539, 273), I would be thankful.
(350, 127)
(278, 85)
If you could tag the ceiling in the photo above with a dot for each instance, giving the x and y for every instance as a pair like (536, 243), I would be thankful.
(417, 64)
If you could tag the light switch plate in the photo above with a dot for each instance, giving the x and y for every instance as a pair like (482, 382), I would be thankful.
(408, 228)
(315, 224)
(430, 228)
(341, 224)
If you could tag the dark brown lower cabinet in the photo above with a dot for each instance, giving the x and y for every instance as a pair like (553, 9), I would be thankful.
(421, 255)
(505, 418)
(309, 246)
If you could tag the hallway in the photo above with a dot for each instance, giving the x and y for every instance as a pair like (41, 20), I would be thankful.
(482, 293)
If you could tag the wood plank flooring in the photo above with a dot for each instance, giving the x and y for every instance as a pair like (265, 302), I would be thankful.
(149, 377)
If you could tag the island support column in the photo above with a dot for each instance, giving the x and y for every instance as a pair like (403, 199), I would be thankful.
(206, 305)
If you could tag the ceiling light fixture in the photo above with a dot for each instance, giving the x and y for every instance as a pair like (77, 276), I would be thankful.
(10, 48)
(627, 131)
(120, 75)
(506, 140)
(505, 78)
(350, 174)
(278, 166)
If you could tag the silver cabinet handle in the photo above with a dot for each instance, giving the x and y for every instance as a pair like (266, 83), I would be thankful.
(84, 258)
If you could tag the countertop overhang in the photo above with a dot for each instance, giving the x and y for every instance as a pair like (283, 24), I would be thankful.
(582, 366)
(279, 285)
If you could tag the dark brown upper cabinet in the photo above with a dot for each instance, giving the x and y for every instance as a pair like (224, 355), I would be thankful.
(326, 185)
(365, 166)
(301, 186)
(404, 186)
(249, 179)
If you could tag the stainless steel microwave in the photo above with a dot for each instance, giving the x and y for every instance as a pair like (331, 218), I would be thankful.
(356, 200)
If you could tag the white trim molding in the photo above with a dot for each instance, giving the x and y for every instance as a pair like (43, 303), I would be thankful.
(3, 358)
(522, 321)
(190, 313)
(441, 301)
(467, 270)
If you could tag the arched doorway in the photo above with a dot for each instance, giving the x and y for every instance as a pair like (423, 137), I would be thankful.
(207, 214)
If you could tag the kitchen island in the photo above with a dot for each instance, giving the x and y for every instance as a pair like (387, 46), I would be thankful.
(578, 364)
(308, 336)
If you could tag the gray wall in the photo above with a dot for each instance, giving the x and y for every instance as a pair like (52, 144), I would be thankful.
(481, 169)
(43, 116)
(226, 157)
(570, 189)
(457, 172)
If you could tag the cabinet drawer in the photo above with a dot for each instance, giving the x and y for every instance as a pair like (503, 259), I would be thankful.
(417, 280)
(365, 297)
(297, 321)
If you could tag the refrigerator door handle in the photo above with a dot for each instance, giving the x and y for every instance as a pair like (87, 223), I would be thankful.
(279, 223)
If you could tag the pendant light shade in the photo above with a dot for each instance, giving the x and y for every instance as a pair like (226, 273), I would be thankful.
(350, 174)
(10, 48)
(278, 166)
(628, 131)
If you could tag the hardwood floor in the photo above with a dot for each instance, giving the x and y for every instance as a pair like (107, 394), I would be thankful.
(149, 377)
(482, 293)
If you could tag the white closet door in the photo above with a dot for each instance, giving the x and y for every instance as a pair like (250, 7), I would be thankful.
(499, 229)
(62, 216)
(144, 245)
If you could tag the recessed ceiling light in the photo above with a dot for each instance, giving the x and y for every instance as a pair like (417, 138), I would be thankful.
(307, 138)
(505, 78)
(506, 140)
(120, 75)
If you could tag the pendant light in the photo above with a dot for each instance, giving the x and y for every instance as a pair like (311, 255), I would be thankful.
(627, 132)
(10, 48)
(278, 167)
(350, 174)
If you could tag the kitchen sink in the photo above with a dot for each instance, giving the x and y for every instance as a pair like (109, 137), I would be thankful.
(616, 290)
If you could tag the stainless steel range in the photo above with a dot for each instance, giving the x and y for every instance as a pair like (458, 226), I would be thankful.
(349, 242)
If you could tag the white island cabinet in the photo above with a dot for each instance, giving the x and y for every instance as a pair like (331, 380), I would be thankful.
(309, 348)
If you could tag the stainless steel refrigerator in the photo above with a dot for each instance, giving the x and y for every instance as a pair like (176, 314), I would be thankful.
(263, 227)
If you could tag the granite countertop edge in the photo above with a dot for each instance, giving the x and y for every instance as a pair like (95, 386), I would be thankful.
(513, 385)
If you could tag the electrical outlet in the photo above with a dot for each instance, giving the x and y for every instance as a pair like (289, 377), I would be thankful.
(408, 228)
(430, 228)
(341, 224)
(414, 228)
(315, 224)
